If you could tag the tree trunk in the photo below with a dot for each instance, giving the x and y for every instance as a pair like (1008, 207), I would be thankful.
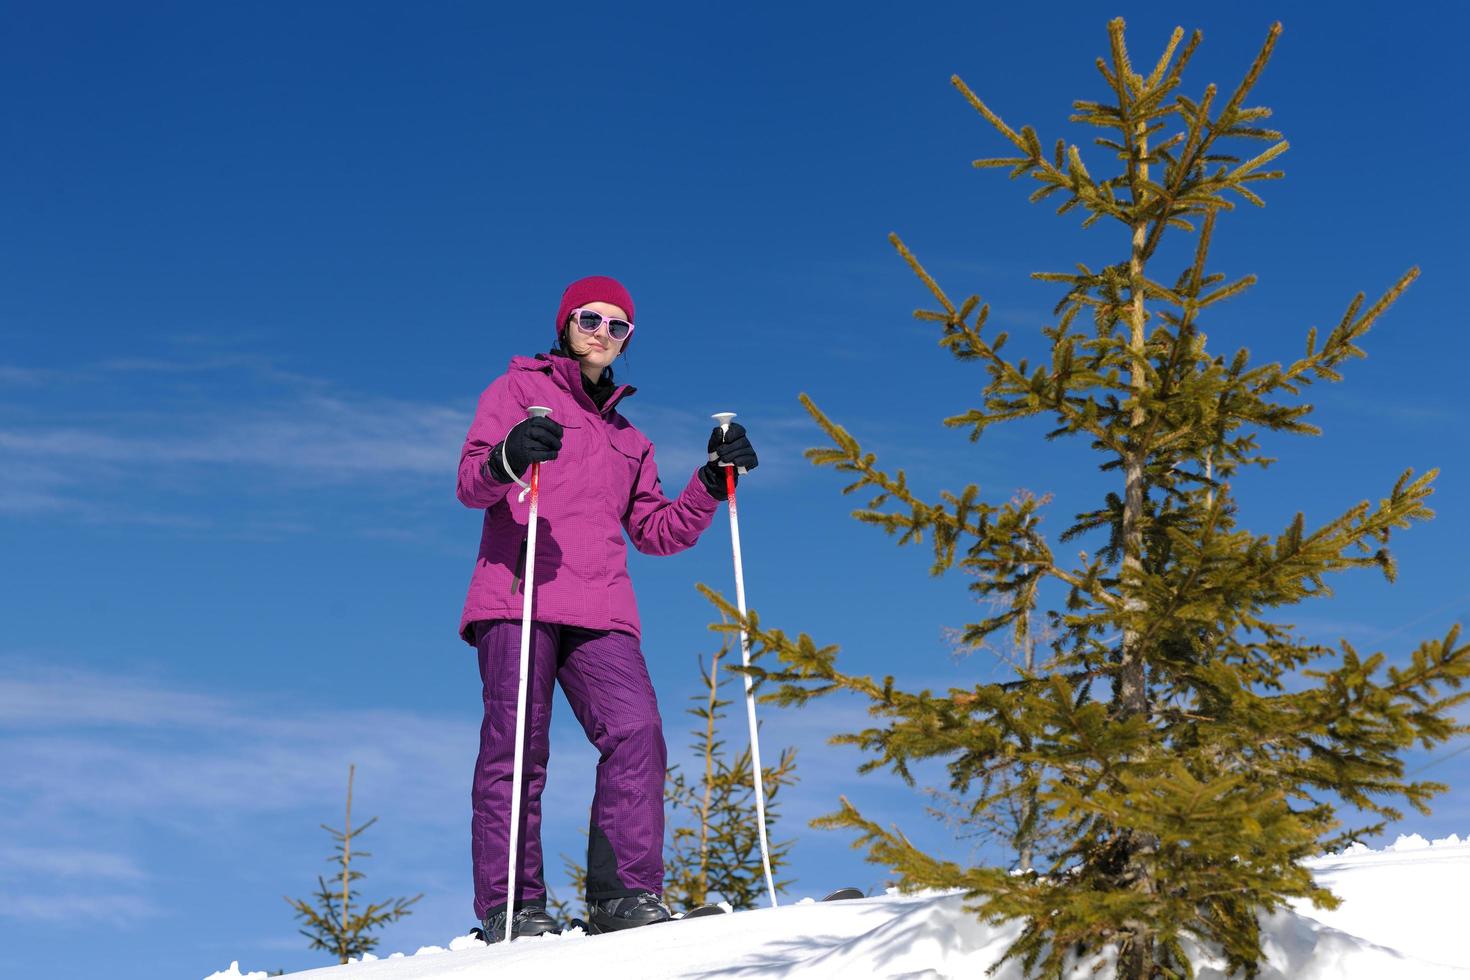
(1132, 694)
(1029, 807)
(346, 864)
(1136, 963)
(702, 882)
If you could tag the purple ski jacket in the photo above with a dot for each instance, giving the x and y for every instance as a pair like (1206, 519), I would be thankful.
(602, 483)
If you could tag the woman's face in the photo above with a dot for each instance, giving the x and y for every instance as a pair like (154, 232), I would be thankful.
(596, 351)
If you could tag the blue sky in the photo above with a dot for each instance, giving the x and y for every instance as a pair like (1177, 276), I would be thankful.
(261, 259)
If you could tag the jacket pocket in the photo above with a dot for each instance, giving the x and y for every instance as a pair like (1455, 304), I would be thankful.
(624, 461)
(518, 577)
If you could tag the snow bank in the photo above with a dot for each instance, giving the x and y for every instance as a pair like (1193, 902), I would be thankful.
(233, 973)
(1402, 916)
(1411, 896)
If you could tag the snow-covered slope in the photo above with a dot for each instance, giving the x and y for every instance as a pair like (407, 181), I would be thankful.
(1403, 915)
(1412, 896)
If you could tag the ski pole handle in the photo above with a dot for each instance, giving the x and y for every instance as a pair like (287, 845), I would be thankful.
(535, 412)
(724, 419)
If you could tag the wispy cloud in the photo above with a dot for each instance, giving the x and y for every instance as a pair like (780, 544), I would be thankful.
(30, 486)
(316, 435)
(69, 862)
(111, 742)
(107, 773)
(82, 905)
(232, 420)
(58, 699)
(254, 364)
(14, 376)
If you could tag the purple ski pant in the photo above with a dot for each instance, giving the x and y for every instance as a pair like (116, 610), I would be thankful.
(606, 683)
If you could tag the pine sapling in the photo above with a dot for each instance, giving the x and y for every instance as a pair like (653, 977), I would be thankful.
(715, 851)
(331, 923)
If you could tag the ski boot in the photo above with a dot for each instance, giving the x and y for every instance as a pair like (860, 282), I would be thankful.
(529, 920)
(629, 912)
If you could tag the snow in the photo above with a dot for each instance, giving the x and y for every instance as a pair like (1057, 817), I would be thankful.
(233, 973)
(1402, 916)
(1411, 896)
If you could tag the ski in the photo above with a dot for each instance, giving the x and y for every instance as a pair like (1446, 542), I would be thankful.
(698, 912)
(701, 911)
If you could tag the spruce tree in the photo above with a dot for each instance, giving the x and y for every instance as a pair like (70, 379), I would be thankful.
(1183, 746)
(714, 845)
(332, 924)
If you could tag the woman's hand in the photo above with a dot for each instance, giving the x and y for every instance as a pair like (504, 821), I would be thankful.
(535, 440)
(728, 450)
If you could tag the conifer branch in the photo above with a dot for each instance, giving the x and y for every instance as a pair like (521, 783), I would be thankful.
(1006, 532)
(1041, 392)
(1232, 108)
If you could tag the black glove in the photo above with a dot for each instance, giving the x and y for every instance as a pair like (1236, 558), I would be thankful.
(535, 440)
(726, 447)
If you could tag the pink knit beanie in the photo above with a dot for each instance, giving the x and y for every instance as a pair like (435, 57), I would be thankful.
(594, 289)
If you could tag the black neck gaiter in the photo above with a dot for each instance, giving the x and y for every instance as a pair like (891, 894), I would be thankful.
(600, 390)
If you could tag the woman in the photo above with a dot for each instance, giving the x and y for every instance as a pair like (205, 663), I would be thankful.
(600, 481)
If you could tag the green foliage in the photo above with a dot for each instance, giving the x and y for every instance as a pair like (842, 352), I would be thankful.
(715, 852)
(1183, 749)
(331, 924)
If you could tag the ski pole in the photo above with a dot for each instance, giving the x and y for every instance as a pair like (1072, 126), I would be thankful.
(755, 747)
(535, 411)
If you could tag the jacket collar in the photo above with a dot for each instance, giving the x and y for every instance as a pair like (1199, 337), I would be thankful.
(567, 374)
